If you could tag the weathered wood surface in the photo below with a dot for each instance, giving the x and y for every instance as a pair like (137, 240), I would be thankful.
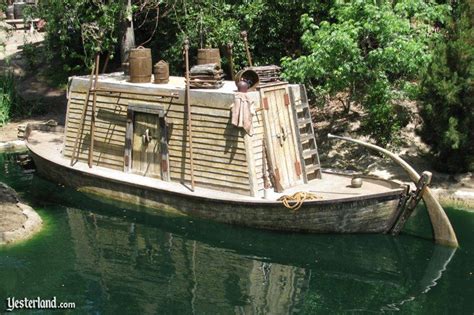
(146, 156)
(279, 131)
(355, 213)
(443, 231)
(219, 148)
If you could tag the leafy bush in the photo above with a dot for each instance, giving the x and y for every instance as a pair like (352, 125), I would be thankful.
(369, 52)
(447, 95)
(78, 29)
(8, 96)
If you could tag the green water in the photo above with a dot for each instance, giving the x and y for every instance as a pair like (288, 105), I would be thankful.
(108, 258)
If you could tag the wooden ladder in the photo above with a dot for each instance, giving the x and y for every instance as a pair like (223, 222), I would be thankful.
(311, 167)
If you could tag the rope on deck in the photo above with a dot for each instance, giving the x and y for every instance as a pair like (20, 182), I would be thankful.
(295, 201)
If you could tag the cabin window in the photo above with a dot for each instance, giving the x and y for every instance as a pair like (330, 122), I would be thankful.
(146, 148)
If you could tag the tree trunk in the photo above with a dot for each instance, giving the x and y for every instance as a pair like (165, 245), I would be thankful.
(128, 36)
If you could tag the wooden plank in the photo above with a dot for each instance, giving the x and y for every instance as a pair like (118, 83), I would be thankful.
(211, 171)
(211, 178)
(228, 144)
(251, 166)
(101, 159)
(179, 147)
(167, 106)
(220, 135)
(222, 164)
(289, 145)
(275, 149)
(237, 189)
(146, 156)
(128, 142)
(284, 163)
(222, 131)
(103, 126)
(113, 156)
(204, 153)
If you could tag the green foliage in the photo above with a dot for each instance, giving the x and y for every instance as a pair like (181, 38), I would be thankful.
(32, 55)
(77, 30)
(12, 105)
(8, 96)
(368, 52)
(447, 95)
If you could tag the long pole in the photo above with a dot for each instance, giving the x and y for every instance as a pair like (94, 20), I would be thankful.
(188, 108)
(83, 116)
(244, 37)
(94, 97)
(231, 60)
(442, 228)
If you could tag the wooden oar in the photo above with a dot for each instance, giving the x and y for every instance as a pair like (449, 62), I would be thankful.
(83, 116)
(442, 228)
(94, 102)
(188, 108)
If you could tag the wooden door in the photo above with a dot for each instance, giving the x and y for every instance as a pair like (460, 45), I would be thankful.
(280, 135)
(146, 156)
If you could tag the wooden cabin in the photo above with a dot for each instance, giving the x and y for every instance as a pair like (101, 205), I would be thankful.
(142, 129)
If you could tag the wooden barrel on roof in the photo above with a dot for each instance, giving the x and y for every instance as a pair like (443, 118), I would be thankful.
(140, 65)
(162, 72)
(209, 55)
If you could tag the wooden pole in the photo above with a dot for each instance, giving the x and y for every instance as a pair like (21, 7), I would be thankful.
(83, 116)
(94, 101)
(231, 60)
(244, 37)
(188, 108)
(442, 228)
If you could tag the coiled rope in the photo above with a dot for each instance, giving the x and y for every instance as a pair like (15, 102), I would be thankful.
(295, 201)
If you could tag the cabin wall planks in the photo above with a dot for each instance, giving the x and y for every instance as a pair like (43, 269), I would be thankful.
(225, 157)
(219, 148)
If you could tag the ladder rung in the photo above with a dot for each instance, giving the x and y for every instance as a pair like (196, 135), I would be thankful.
(306, 137)
(312, 168)
(299, 108)
(304, 121)
(309, 153)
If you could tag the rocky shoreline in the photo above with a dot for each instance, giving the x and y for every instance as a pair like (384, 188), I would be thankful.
(18, 221)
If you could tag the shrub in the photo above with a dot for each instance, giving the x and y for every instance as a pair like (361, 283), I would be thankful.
(371, 53)
(447, 95)
(8, 96)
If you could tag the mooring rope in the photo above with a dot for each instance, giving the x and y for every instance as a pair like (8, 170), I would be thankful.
(297, 199)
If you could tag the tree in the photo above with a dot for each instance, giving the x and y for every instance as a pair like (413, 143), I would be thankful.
(367, 53)
(447, 95)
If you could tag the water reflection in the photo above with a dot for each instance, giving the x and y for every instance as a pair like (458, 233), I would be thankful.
(152, 265)
(155, 268)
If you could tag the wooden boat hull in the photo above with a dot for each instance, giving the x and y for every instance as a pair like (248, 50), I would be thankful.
(373, 213)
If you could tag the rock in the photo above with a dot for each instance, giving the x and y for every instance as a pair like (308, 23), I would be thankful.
(18, 221)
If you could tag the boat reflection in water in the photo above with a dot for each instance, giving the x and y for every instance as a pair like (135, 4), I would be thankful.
(166, 264)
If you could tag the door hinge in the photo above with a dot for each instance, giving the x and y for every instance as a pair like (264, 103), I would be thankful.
(265, 103)
(298, 168)
(164, 165)
(287, 99)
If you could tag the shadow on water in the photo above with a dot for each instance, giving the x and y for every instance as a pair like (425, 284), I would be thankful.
(111, 257)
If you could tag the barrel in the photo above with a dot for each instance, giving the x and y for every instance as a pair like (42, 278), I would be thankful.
(140, 65)
(249, 76)
(10, 12)
(162, 72)
(18, 9)
(209, 55)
